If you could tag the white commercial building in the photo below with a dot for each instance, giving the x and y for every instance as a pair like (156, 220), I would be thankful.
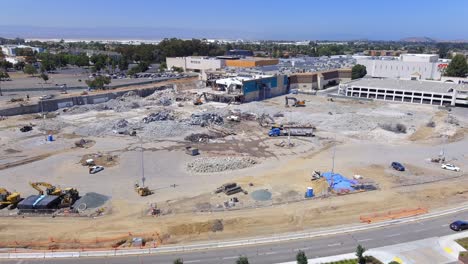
(196, 64)
(10, 50)
(408, 91)
(407, 66)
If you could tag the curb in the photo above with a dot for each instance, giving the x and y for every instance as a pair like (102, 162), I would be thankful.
(234, 243)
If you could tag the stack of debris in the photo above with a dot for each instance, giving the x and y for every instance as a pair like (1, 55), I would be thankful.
(205, 119)
(158, 116)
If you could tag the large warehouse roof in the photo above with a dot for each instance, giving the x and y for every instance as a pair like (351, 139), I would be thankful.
(429, 86)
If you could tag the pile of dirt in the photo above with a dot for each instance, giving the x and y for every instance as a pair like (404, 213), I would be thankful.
(218, 164)
(202, 137)
(84, 143)
(106, 160)
(197, 228)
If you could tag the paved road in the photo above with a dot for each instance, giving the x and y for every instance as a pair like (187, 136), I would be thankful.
(286, 251)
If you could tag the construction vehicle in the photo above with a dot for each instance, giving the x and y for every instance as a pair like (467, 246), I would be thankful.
(296, 103)
(68, 196)
(291, 131)
(9, 199)
(142, 191)
(198, 99)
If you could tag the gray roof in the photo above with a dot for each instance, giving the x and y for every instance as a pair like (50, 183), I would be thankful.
(428, 86)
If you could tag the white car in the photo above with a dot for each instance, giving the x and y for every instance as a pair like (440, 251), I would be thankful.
(95, 169)
(450, 167)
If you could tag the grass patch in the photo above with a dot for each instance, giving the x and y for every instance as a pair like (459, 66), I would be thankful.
(463, 242)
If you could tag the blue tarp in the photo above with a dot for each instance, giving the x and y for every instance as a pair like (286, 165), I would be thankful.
(338, 182)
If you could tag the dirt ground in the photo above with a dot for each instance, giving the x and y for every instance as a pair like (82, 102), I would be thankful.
(347, 130)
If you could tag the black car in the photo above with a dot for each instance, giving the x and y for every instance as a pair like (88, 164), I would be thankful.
(459, 225)
(398, 166)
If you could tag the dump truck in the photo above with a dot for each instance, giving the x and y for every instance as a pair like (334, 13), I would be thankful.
(9, 199)
(291, 131)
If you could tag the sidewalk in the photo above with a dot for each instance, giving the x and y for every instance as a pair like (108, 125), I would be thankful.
(430, 250)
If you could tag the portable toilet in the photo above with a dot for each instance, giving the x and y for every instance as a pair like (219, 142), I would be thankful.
(310, 192)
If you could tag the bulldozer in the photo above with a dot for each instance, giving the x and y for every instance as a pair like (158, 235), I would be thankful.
(68, 196)
(296, 103)
(142, 191)
(9, 199)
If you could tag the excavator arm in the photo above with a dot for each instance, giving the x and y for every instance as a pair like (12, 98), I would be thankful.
(36, 185)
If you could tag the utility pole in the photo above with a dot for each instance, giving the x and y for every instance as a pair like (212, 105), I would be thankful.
(142, 164)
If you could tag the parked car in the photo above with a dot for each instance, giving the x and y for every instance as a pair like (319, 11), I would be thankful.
(451, 167)
(398, 166)
(459, 225)
(95, 169)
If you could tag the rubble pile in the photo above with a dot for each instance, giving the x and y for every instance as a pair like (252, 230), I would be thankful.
(218, 164)
(158, 116)
(205, 119)
(202, 137)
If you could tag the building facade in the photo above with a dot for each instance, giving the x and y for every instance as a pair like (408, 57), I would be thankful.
(310, 81)
(407, 91)
(407, 66)
(197, 64)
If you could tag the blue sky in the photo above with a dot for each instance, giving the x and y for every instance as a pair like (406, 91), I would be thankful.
(267, 19)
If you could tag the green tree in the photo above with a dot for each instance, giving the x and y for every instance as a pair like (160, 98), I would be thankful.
(358, 71)
(360, 254)
(44, 77)
(242, 260)
(4, 75)
(19, 65)
(99, 82)
(457, 67)
(178, 261)
(162, 66)
(29, 69)
(301, 257)
(5, 65)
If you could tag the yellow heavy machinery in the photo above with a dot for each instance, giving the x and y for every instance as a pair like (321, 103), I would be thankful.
(198, 99)
(296, 103)
(68, 196)
(142, 191)
(10, 199)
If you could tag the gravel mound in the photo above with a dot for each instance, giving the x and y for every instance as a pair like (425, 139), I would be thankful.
(168, 128)
(92, 200)
(218, 164)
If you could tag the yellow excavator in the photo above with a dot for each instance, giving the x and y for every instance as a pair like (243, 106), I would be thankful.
(198, 99)
(296, 103)
(10, 199)
(142, 191)
(68, 196)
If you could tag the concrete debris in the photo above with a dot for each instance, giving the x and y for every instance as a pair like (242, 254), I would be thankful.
(201, 137)
(218, 164)
(158, 116)
(217, 225)
(121, 123)
(205, 119)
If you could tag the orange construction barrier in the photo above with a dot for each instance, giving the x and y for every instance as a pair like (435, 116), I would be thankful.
(393, 215)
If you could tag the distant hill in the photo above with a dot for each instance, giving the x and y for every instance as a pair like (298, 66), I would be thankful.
(418, 39)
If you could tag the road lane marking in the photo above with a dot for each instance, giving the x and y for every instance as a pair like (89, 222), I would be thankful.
(394, 235)
(336, 244)
(234, 257)
(448, 250)
(192, 261)
(397, 259)
(420, 230)
(445, 225)
(365, 239)
(271, 253)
